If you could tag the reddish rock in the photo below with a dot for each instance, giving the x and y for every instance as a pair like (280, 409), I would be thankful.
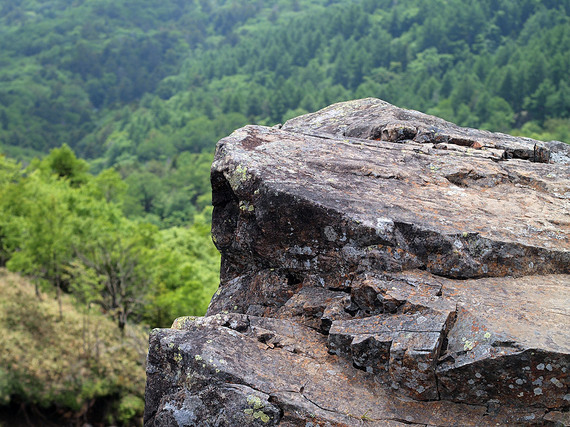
(379, 267)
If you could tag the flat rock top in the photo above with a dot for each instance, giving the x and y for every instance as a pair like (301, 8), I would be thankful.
(375, 119)
(533, 311)
(456, 192)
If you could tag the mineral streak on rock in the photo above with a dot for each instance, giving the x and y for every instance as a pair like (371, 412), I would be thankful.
(379, 267)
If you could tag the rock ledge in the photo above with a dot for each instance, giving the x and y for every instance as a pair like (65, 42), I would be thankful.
(379, 267)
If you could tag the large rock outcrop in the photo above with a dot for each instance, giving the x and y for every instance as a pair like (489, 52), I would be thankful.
(379, 267)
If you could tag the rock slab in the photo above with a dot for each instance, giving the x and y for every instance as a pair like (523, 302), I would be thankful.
(379, 267)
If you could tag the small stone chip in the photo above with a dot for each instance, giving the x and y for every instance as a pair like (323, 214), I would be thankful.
(476, 145)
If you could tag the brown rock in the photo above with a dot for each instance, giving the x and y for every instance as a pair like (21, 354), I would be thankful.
(477, 146)
(372, 277)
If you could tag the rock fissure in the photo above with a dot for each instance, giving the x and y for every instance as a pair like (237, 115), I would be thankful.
(316, 404)
(380, 262)
(404, 421)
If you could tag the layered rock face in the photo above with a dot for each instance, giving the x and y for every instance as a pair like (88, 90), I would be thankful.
(379, 267)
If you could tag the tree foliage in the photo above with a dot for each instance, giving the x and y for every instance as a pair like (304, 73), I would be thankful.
(71, 234)
(145, 92)
(187, 68)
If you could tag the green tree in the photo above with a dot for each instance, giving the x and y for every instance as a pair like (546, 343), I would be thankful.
(10, 175)
(186, 273)
(46, 237)
(538, 103)
(63, 162)
(115, 267)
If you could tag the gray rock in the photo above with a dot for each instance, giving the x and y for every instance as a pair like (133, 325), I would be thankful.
(379, 267)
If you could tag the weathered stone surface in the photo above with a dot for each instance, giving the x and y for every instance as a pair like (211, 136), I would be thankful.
(379, 266)
(209, 373)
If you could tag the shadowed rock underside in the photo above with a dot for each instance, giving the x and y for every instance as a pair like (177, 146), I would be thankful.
(379, 267)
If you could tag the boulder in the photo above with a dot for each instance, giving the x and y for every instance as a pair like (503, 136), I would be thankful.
(379, 267)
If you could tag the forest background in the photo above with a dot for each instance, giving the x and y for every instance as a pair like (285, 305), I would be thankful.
(109, 114)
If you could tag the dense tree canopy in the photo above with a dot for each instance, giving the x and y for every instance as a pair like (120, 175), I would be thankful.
(149, 89)
(129, 82)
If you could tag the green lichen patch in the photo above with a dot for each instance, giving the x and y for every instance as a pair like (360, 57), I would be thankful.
(261, 415)
(468, 345)
(255, 401)
(255, 410)
(239, 176)
(183, 322)
(245, 206)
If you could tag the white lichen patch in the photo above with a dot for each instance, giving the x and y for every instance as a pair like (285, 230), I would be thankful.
(330, 234)
(529, 417)
(305, 250)
(384, 226)
(423, 366)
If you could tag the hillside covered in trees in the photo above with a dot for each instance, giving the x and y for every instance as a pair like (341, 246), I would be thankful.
(110, 111)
